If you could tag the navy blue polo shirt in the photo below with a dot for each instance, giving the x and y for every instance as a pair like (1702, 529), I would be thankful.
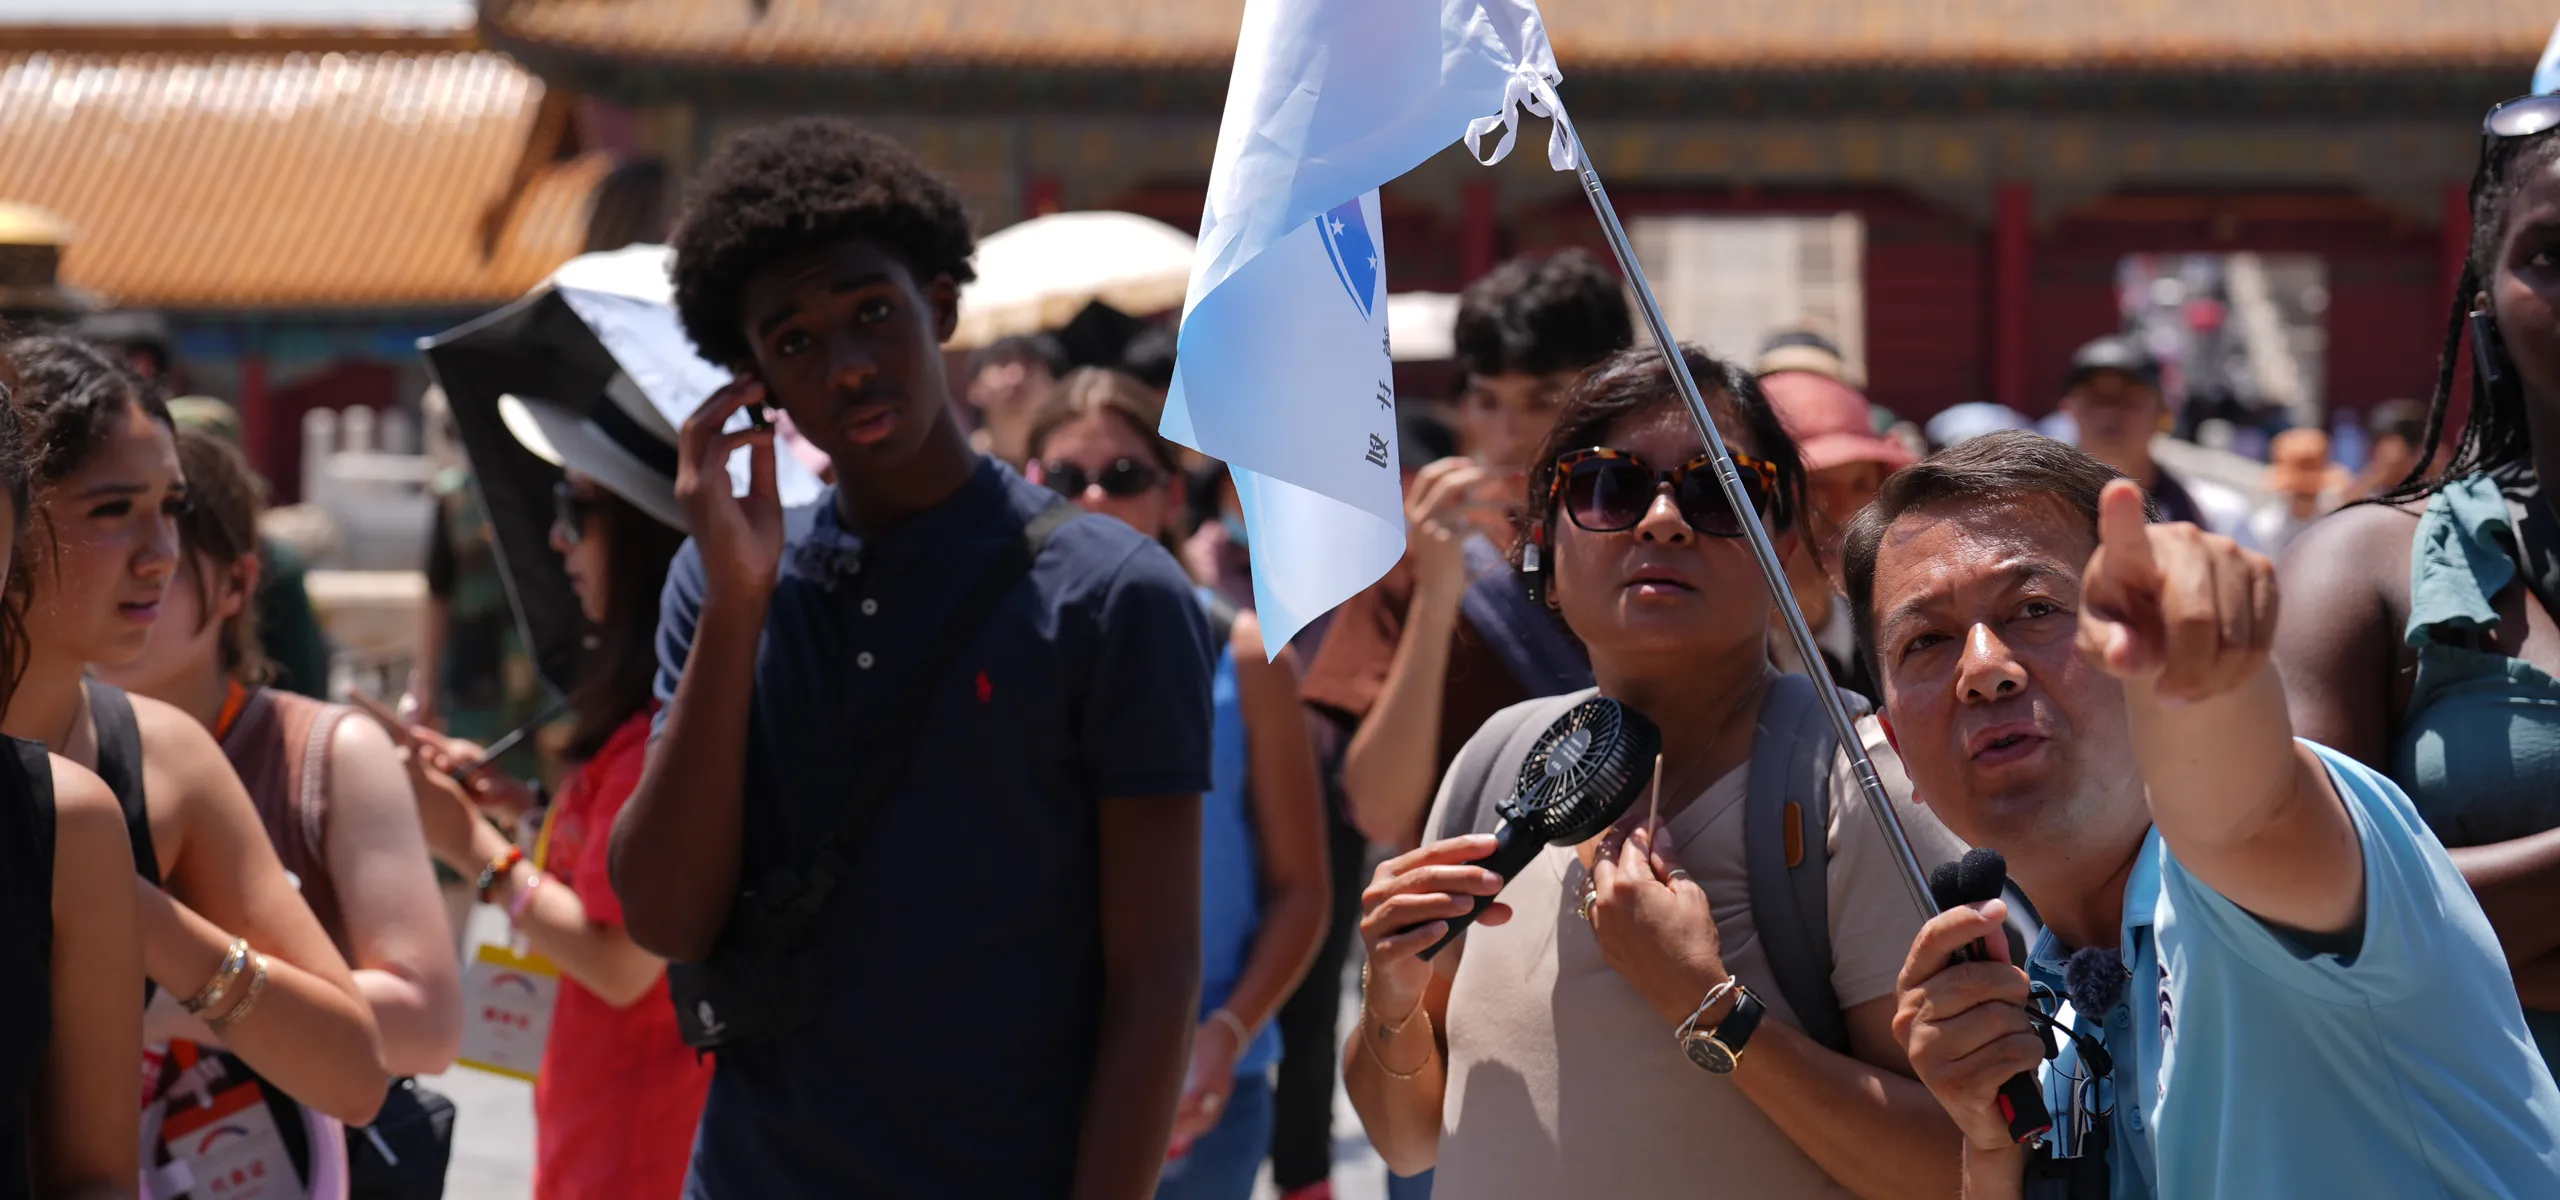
(963, 958)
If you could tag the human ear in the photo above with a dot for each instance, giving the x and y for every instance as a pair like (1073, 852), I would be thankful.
(944, 297)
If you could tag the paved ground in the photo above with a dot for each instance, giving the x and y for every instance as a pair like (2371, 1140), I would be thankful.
(493, 1123)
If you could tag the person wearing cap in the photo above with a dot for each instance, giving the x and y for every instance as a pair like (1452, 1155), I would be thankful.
(2300, 486)
(2112, 396)
(2394, 433)
(618, 1094)
(1845, 463)
(1962, 423)
(1010, 381)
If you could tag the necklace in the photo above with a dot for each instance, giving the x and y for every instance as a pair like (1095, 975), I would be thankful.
(1590, 886)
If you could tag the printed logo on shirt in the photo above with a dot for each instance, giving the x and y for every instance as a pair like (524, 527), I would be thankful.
(2168, 1032)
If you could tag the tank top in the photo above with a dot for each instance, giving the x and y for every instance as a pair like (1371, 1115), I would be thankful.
(26, 948)
(279, 746)
(1230, 866)
(2478, 750)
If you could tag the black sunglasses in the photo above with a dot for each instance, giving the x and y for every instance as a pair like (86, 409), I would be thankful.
(2509, 123)
(1122, 479)
(569, 512)
(1609, 491)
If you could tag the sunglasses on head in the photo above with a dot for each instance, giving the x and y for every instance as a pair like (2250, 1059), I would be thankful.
(1122, 479)
(1609, 491)
(569, 512)
(2509, 123)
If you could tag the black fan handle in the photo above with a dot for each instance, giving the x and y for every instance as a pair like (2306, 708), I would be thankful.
(1514, 848)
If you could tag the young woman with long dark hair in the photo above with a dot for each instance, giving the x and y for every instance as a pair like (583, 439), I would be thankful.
(331, 791)
(618, 1093)
(224, 932)
(1264, 882)
(2419, 632)
(73, 1008)
(1543, 1053)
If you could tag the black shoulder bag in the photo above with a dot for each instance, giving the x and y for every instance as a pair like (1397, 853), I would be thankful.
(761, 981)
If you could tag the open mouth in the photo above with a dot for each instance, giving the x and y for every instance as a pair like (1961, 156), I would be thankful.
(2002, 746)
(140, 613)
(870, 424)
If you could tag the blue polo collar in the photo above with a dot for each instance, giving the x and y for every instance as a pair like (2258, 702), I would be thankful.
(2141, 896)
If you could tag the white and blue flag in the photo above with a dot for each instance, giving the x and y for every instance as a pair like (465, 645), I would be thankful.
(1283, 369)
(2546, 74)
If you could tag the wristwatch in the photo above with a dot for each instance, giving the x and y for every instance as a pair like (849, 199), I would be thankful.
(1719, 1050)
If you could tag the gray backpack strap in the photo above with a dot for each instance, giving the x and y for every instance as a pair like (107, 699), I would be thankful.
(1486, 766)
(1787, 853)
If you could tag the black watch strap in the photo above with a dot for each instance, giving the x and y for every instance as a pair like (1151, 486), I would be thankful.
(1736, 1029)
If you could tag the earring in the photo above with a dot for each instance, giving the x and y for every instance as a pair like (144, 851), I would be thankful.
(2488, 351)
(1533, 575)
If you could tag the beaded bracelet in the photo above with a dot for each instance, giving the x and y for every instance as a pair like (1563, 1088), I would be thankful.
(234, 961)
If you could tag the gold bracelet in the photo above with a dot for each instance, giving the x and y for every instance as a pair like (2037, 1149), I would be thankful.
(1368, 1025)
(248, 1000)
(1397, 1027)
(234, 960)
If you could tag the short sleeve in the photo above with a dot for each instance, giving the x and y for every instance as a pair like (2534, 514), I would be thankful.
(679, 610)
(1351, 666)
(2413, 902)
(1144, 729)
(613, 779)
(1873, 918)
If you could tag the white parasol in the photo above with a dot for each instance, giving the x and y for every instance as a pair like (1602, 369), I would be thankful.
(1037, 275)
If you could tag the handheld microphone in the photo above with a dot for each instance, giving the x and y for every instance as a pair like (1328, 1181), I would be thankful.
(1582, 774)
(1980, 876)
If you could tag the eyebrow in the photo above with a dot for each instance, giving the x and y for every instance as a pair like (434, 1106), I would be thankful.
(112, 488)
(2016, 576)
(791, 309)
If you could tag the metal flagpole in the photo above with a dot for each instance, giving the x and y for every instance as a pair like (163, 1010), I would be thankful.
(1878, 803)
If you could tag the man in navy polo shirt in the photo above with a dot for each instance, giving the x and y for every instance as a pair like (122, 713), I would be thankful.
(1008, 973)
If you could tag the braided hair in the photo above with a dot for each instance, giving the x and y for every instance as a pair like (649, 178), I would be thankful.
(2495, 435)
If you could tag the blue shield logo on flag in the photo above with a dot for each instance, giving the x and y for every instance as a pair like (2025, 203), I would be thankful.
(1355, 253)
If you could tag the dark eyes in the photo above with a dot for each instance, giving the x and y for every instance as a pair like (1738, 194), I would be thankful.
(872, 311)
(2038, 608)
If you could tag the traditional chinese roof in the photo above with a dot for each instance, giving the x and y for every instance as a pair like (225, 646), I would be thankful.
(1744, 35)
(294, 180)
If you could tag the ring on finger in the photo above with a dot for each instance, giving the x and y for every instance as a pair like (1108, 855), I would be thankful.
(1589, 899)
(1677, 873)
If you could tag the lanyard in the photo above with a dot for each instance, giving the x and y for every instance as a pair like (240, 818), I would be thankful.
(233, 700)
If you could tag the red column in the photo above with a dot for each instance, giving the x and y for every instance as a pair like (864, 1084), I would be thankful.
(1476, 242)
(1040, 197)
(2457, 234)
(257, 427)
(2012, 239)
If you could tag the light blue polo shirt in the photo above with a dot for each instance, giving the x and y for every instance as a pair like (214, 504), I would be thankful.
(2249, 1065)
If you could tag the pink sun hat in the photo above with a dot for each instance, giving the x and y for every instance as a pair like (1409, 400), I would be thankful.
(1832, 424)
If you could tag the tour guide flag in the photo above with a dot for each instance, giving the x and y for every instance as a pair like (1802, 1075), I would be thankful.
(1282, 364)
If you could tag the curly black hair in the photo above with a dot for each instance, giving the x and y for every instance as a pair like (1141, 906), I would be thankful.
(1535, 316)
(796, 185)
(2495, 435)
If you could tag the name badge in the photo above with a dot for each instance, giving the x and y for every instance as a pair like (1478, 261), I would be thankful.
(229, 1149)
(506, 1003)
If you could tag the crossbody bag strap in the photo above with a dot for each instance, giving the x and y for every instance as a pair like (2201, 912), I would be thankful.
(887, 766)
(1786, 819)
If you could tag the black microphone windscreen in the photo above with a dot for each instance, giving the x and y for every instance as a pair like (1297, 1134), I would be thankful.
(1981, 876)
(1944, 886)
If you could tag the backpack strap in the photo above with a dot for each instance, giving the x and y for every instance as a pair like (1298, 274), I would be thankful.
(120, 768)
(1787, 854)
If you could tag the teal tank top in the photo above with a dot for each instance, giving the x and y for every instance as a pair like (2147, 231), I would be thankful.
(2479, 749)
(1230, 865)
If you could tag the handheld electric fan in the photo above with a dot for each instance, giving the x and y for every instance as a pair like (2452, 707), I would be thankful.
(1581, 775)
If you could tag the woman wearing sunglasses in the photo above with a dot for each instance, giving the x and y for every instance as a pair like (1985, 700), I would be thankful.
(2419, 632)
(330, 791)
(1263, 880)
(618, 1094)
(1538, 1056)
